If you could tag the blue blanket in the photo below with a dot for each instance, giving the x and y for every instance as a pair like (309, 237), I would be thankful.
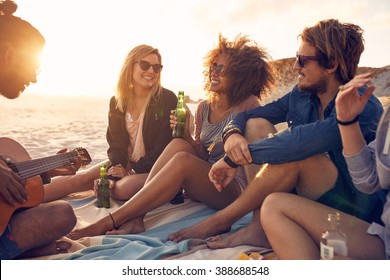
(150, 245)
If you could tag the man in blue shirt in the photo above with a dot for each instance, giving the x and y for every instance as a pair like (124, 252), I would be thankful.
(307, 157)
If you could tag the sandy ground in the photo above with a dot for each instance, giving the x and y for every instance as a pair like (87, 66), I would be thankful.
(46, 124)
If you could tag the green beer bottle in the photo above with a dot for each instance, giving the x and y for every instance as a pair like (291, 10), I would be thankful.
(103, 189)
(181, 115)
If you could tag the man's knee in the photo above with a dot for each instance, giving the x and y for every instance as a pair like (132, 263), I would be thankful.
(258, 128)
(318, 171)
(64, 215)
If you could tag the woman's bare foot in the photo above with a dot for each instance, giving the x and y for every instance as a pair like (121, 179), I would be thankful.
(252, 234)
(202, 230)
(100, 227)
(133, 226)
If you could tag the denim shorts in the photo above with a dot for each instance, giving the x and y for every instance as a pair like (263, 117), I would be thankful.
(8, 247)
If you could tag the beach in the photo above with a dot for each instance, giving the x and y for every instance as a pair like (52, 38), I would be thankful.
(45, 124)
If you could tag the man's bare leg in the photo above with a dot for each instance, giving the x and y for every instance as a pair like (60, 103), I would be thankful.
(45, 224)
(249, 200)
(256, 129)
(316, 171)
(252, 234)
(53, 248)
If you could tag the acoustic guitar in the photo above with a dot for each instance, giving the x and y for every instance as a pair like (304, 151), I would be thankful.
(29, 170)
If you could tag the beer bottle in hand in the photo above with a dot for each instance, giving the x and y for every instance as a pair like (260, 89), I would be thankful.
(181, 115)
(103, 189)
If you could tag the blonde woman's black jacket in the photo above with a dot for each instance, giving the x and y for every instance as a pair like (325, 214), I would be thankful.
(156, 131)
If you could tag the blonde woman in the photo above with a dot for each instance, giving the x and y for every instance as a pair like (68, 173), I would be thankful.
(138, 128)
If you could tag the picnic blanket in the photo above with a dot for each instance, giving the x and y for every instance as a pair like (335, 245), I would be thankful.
(151, 244)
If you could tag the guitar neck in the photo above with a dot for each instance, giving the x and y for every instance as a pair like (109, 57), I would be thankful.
(34, 167)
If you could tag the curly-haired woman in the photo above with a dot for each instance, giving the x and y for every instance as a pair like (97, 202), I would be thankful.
(236, 74)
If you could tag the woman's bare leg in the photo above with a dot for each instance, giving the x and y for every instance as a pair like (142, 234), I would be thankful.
(175, 146)
(294, 225)
(64, 185)
(128, 186)
(183, 169)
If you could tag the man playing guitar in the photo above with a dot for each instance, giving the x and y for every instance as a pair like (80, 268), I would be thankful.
(30, 231)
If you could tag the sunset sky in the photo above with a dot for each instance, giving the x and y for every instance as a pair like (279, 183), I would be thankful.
(87, 40)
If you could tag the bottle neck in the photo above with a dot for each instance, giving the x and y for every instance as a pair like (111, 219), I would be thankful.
(180, 103)
(334, 222)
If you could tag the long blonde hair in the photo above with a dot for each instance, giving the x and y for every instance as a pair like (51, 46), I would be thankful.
(125, 90)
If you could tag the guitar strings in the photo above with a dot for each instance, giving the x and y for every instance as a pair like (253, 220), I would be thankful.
(27, 169)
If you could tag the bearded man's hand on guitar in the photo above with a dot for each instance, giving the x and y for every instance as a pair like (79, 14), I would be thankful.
(11, 185)
(69, 169)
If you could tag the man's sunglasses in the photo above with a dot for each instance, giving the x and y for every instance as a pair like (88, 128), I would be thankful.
(302, 59)
(146, 65)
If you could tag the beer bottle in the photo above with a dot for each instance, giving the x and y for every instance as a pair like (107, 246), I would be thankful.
(181, 115)
(103, 199)
(333, 240)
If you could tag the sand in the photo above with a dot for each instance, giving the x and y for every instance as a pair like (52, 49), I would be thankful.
(46, 124)
(43, 125)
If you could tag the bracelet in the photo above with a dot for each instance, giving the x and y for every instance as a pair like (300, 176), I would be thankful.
(230, 162)
(113, 221)
(348, 122)
(229, 132)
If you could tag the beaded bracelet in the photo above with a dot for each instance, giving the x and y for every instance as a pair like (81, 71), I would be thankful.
(229, 132)
(348, 122)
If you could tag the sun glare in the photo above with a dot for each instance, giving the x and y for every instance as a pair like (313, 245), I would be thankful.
(87, 43)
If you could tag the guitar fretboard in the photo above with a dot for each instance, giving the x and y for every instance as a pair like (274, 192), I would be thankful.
(34, 167)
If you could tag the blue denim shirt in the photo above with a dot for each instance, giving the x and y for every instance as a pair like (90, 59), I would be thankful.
(306, 135)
